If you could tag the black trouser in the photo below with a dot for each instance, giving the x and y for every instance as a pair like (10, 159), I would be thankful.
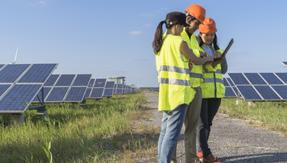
(209, 108)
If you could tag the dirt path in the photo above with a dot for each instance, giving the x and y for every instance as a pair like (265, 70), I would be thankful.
(233, 140)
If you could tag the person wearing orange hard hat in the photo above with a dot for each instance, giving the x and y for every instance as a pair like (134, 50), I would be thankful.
(212, 88)
(195, 15)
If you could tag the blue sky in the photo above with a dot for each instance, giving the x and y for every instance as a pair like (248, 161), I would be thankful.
(110, 38)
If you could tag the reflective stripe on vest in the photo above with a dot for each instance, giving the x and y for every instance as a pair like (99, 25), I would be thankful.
(196, 75)
(217, 71)
(174, 81)
(174, 69)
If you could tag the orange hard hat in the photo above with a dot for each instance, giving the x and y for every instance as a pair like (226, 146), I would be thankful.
(208, 26)
(196, 11)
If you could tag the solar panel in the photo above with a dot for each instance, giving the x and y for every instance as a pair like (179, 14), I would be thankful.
(249, 93)
(10, 73)
(115, 91)
(57, 94)
(230, 82)
(100, 83)
(1, 65)
(97, 93)
(82, 80)
(284, 63)
(110, 84)
(282, 76)
(4, 88)
(51, 80)
(88, 93)
(271, 78)
(38, 73)
(108, 93)
(225, 82)
(65, 80)
(39, 95)
(91, 83)
(19, 97)
(267, 93)
(255, 79)
(238, 79)
(76, 94)
(281, 90)
(120, 88)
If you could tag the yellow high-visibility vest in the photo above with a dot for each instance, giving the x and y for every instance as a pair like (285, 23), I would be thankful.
(212, 86)
(173, 75)
(196, 77)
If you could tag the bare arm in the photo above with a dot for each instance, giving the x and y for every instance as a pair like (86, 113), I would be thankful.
(188, 53)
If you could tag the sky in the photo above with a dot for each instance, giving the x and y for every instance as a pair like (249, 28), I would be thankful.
(113, 38)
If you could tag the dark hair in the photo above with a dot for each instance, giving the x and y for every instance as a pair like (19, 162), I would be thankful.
(171, 19)
(214, 43)
(158, 40)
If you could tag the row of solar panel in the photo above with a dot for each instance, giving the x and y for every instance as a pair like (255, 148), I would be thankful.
(258, 86)
(21, 83)
(76, 88)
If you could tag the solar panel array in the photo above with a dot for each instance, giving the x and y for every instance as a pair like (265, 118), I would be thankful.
(261, 86)
(65, 88)
(20, 83)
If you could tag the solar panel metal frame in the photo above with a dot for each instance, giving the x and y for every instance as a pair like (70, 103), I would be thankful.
(30, 83)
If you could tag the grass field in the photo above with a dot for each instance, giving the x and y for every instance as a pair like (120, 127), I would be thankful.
(96, 132)
(272, 115)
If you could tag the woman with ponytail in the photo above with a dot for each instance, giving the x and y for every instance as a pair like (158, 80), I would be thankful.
(175, 92)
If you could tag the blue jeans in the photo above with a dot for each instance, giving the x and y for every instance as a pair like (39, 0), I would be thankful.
(170, 129)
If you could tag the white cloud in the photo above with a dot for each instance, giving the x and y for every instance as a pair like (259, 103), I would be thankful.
(42, 2)
(39, 3)
(135, 33)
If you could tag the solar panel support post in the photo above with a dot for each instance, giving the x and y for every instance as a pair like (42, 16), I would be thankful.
(41, 109)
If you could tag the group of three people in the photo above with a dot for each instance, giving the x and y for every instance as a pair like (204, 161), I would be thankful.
(190, 75)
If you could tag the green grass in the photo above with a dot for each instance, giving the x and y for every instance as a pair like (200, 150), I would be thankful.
(272, 115)
(74, 133)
